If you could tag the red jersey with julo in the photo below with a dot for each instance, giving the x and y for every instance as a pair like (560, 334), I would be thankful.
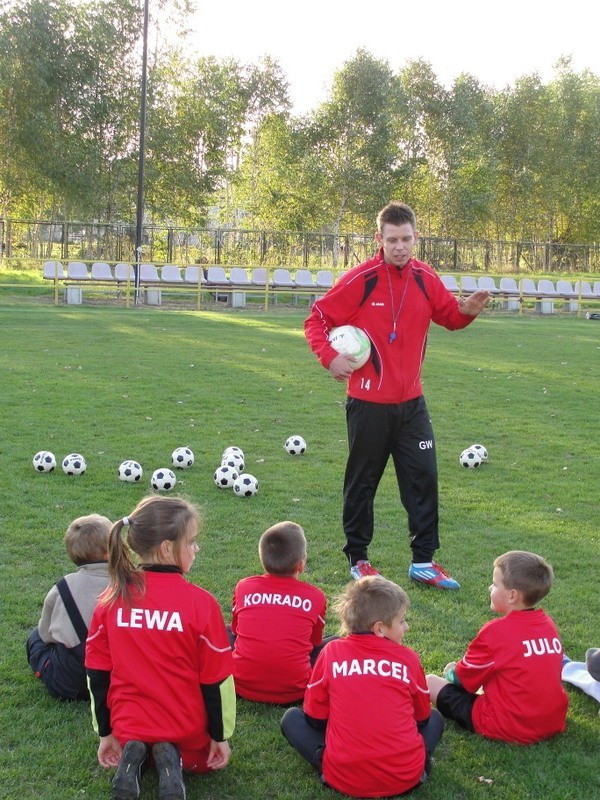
(394, 306)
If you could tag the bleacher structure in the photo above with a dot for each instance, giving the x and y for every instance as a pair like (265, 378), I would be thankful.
(232, 285)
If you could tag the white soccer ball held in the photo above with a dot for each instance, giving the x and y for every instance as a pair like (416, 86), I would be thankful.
(351, 341)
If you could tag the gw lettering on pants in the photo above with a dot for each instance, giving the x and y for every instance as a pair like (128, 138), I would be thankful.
(541, 647)
(149, 619)
(276, 599)
(427, 444)
(369, 666)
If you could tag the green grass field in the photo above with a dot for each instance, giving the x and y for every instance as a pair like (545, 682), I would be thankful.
(116, 383)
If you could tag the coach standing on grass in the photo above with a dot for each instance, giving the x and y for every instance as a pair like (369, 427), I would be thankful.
(393, 298)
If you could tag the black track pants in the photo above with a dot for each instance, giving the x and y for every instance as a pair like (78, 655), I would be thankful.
(403, 431)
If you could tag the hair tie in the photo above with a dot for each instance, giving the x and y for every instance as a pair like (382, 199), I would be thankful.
(125, 520)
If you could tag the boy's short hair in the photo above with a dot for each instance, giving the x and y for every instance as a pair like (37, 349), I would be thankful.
(281, 547)
(367, 601)
(396, 214)
(86, 538)
(526, 572)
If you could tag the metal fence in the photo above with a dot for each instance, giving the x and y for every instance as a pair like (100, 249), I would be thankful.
(24, 240)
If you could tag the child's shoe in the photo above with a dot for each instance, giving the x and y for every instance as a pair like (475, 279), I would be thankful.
(361, 569)
(170, 777)
(126, 783)
(433, 575)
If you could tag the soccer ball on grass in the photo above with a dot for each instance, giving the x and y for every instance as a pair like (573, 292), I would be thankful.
(470, 459)
(225, 476)
(295, 445)
(245, 485)
(74, 464)
(163, 480)
(479, 448)
(235, 460)
(130, 471)
(44, 461)
(182, 457)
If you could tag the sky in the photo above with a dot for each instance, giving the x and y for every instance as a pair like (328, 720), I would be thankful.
(312, 39)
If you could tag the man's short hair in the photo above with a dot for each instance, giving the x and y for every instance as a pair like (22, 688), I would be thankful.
(86, 538)
(396, 214)
(369, 600)
(526, 572)
(281, 547)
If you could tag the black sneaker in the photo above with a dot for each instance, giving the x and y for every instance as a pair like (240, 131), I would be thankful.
(126, 783)
(170, 777)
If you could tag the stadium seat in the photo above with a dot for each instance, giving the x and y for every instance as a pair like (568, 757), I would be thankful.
(239, 276)
(124, 272)
(528, 288)
(193, 274)
(171, 273)
(488, 284)
(468, 284)
(303, 279)
(508, 287)
(565, 289)
(282, 279)
(596, 289)
(584, 289)
(101, 271)
(324, 278)
(547, 289)
(149, 274)
(77, 271)
(53, 269)
(450, 283)
(259, 276)
(216, 276)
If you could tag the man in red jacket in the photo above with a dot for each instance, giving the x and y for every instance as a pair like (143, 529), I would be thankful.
(393, 298)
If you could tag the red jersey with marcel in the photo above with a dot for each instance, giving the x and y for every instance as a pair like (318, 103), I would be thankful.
(517, 659)
(394, 306)
(174, 629)
(372, 692)
(278, 620)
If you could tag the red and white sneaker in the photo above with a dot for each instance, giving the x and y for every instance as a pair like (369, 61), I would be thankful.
(433, 575)
(361, 569)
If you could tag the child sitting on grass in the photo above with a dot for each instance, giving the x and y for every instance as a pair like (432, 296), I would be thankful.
(158, 657)
(367, 724)
(508, 684)
(277, 621)
(56, 648)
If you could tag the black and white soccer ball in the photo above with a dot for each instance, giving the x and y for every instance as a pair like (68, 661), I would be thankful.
(74, 464)
(235, 460)
(295, 445)
(245, 485)
(163, 480)
(44, 461)
(231, 450)
(225, 476)
(130, 471)
(479, 448)
(182, 457)
(470, 459)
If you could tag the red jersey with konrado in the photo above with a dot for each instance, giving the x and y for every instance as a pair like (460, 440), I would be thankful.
(517, 659)
(372, 692)
(159, 650)
(278, 620)
(394, 306)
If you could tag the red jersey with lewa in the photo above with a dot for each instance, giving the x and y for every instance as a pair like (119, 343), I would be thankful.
(517, 659)
(171, 639)
(372, 692)
(277, 620)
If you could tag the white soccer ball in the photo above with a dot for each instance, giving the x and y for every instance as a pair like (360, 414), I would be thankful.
(470, 459)
(479, 448)
(225, 476)
(182, 457)
(130, 471)
(232, 449)
(74, 464)
(295, 445)
(245, 485)
(163, 480)
(44, 461)
(235, 460)
(351, 341)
